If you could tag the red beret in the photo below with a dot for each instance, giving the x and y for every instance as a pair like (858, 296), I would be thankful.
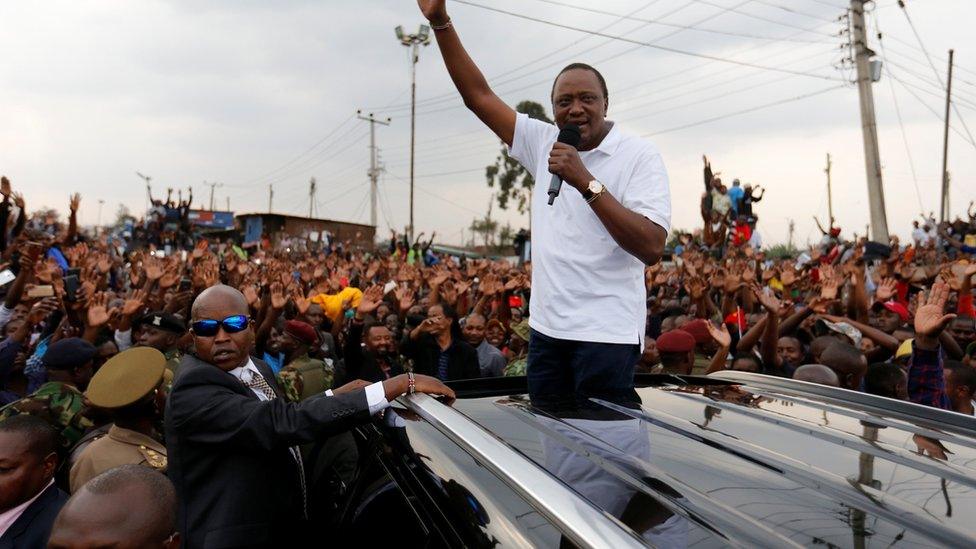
(698, 329)
(302, 331)
(675, 341)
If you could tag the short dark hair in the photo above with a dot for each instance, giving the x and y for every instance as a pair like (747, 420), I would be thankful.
(962, 374)
(749, 356)
(42, 438)
(585, 67)
(160, 490)
(882, 378)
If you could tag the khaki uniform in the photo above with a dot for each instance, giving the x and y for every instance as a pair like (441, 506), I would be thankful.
(119, 447)
(304, 377)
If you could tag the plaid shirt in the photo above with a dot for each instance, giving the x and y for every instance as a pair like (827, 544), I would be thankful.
(926, 382)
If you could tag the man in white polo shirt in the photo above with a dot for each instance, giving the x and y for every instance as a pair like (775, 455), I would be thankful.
(588, 305)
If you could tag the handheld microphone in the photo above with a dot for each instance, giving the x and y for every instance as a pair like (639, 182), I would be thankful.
(570, 135)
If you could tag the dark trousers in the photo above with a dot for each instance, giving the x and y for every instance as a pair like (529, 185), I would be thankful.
(567, 372)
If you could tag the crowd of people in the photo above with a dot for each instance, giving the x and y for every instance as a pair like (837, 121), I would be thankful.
(80, 309)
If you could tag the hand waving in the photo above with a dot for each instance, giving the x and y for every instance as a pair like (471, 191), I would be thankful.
(929, 318)
(434, 10)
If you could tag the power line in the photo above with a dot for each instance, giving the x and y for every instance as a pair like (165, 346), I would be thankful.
(310, 149)
(908, 88)
(894, 97)
(935, 71)
(452, 96)
(647, 44)
(676, 25)
(767, 20)
(744, 111)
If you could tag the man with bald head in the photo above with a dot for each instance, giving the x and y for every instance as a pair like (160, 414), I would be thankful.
(232, 439)
(130, 506)
(817, 373)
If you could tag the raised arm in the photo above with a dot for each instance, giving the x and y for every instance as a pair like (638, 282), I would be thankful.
(470, 83)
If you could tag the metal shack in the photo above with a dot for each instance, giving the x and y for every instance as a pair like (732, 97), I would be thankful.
(276, 226)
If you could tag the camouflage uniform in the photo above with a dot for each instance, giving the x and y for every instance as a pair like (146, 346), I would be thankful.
(59, 404)
(304, 377)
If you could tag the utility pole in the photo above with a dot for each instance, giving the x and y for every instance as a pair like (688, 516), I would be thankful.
(98, 226)
(789, 241)
(944, 203)
(830, 197)
(270, 196)
(212, 187)
(228, 203)
(147, 179)
(374, 170)
(311, 195)
(413, 41)
(869, 127)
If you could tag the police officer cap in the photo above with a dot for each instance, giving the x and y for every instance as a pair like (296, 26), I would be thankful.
(126, 378)
(164, 321)
(69, 353)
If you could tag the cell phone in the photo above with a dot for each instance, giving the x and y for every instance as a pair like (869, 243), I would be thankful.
(34, 250)
(389, 287)
(6, 277)
(41, 291)
(71, 285)
(185, 284)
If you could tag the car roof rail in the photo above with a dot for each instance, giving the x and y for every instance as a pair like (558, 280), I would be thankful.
(578, 519)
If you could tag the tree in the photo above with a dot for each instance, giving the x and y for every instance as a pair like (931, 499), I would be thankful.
(122, 214)
(513, 182)
(486, 227)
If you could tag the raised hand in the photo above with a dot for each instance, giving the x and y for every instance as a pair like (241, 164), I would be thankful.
(434, 10)
(370, 301)
(153, 268)
(134, 303)
(42, 309)
(788, 276)
(19, 201)
(886, 290)
(97, 311)
(250, 294)
(767, 300)
(200, 249)
(929, 318)
(278, 298)
(405, 297)
(303, 304)
(5, 186)
(720, 334)
(75, 202)
(171, 275)
(830, 283)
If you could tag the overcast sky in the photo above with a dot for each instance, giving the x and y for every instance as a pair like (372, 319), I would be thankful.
(248, 93)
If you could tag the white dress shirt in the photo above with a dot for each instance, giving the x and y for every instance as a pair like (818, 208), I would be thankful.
(375, 394)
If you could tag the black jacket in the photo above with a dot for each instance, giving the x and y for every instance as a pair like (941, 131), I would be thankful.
(229, 457)
(32, 529)
(360, 363)
(462, 361)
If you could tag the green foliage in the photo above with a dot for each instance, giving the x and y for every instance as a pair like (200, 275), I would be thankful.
(781, 251)
(486, 228)
(513, 182)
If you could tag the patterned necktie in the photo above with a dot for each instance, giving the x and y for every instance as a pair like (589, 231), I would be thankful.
(258, 382)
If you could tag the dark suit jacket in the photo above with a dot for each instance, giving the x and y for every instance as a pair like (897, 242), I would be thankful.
(32, 529)
(229, 457)
(462, 359)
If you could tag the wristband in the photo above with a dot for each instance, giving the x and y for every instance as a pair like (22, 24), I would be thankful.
(445, 26)
(411, 384)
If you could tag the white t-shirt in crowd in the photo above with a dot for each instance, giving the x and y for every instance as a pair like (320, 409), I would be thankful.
(585, 287)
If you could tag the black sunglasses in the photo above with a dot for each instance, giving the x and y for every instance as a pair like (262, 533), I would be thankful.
(209, 327)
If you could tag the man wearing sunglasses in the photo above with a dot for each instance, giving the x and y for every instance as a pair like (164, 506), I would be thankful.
(232, 437)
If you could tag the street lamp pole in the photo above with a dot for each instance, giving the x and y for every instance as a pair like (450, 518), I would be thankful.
(98, 226)
(413, 41)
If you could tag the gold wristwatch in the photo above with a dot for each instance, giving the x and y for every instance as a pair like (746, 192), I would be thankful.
(593, 191)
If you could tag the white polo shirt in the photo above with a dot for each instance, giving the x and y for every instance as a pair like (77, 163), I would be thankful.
(585, 287)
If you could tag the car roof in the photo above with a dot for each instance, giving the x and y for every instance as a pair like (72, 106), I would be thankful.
(747, 459)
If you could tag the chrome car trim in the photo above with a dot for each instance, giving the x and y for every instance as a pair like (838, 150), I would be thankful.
(582, 522)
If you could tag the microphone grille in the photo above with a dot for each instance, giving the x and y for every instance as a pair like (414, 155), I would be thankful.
(570, 135)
